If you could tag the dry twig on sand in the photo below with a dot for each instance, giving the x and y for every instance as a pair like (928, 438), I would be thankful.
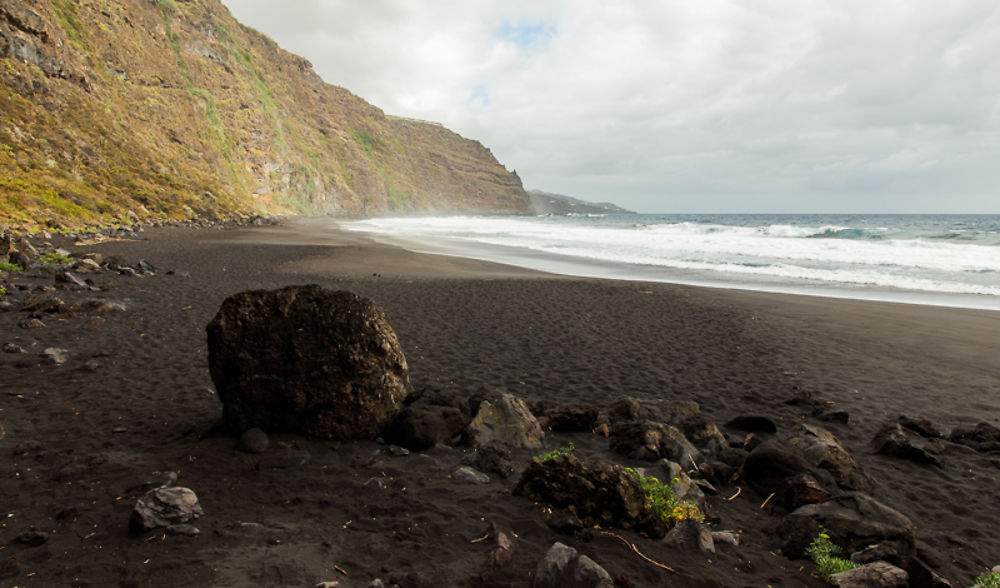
(637, 552)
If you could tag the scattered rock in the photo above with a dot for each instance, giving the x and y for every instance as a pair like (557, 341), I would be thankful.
(726, 537)
(55, 355)
(66, 277)
(44, 303)
(769, 465)
(306, 360)
(920, 426)
(398, 451)
(493, 458)
(419, 427)
(823, 450)
(874, 575)
(13, 348)
(86, 266)
(652, 441)
(572, 417)
(33, 538)
(467, 474)
(253, 441)
(603, 493)
(895, 440)
(565, 566)
(503, 554)
(690, 535)
(183, 529)
(162, 507)
(800, 490)
(506, 421)
(854, 521)
(19, 258)
(982, 437)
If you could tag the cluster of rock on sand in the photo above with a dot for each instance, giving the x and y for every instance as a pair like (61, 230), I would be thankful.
(327, 364)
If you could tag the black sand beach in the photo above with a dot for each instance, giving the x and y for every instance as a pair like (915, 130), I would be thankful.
(134, 400)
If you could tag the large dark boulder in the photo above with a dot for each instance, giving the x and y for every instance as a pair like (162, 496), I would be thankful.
(898, 441)
(853, 520)
(652, 441)
(982, 437)
(599, 492)
(421, 426)
(306, 360)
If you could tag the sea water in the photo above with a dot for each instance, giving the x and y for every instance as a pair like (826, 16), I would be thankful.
(946, 260)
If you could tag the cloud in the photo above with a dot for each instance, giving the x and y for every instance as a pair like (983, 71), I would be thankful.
(726, 106)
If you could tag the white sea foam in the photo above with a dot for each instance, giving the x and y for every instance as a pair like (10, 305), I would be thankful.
(906, 254)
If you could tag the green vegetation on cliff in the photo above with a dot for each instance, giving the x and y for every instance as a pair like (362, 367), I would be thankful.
(160, 109)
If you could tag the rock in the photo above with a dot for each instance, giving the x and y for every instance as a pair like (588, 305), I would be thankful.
(661, 411)
(398, 451)
(690, 535)
(419, 427)
(685, 489)
(888, 552)
(306, 360)
(564, 521)
(503, 554)
(66, 277)
(162, 507)
(726, 537)
(753, 424)
(769, 465)
(493, 458)
(33, 538)
(24, 246)
(572, 417)
(922, 576)
(920, 426)
(853, 520)
(86, 266)
(55, 355)
(19, 258)
(506, 421)
(44, 303)
(253, 441)
(982, 437)
(13, 348)
(467, 474)
(823, 450)
(128, 272)
(874, 575)
(31, 324)
(603, 493)
(896, 441)
(184, 529)
(328, 584)
(800, 490)
(565, 566)
(652, 441)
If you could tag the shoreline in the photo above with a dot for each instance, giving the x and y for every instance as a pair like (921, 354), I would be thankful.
(86, 439)
(581, 267)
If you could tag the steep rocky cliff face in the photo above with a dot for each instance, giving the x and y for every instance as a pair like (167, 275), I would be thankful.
(148, 110)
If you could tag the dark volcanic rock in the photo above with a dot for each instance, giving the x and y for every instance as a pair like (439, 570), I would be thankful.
(253, 441)
(753, 424)
(895, 440)
(981, 437)
(652, 441)
(878, 574)
(420, 427)
(573, 417)
(306, 360)
(162, 507)
(690, 535)
(491, 458)
(853, 521)
(507, 421)
(564, 566)
(823, 450)
(604, 493)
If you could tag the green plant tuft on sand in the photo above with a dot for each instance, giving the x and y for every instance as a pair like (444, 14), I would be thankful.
(988, 580)
(556, 452)
(53, 257)
(662, 500)
(824, 552)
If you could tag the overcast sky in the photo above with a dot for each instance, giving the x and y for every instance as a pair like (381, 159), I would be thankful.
(687, 106)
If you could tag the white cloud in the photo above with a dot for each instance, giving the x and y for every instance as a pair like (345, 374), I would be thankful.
(717, 106)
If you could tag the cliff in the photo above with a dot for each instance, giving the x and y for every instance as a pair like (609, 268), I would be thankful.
(551, 203)
(146, 110)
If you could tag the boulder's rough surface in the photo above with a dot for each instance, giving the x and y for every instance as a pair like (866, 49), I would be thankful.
(874, 575)
(898, 441)
(853, 521)
(690, 535)
(604, 493)
(422, 426)
(823, 450)
(981, 437)
(506, 421)
(652, 441)
(307, 360)
(162, 507)
(565, 566)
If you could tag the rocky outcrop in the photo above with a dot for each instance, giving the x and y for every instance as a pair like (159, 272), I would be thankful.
(135, 111)
(307, 360)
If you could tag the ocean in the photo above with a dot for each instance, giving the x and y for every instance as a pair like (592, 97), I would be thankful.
(946, 260)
